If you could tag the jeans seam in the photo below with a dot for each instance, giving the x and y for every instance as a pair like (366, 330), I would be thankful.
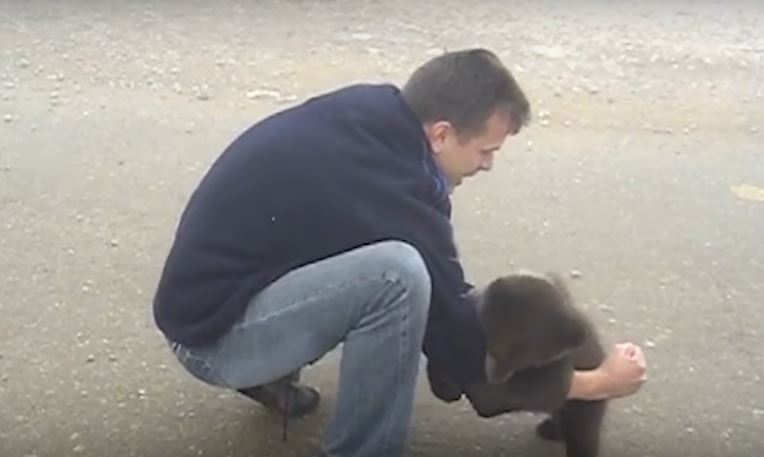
(402, 351)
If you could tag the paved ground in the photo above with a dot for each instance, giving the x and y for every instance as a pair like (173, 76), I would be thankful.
(643, 171)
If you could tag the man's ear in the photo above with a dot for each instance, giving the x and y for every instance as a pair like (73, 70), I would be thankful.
(496, 372)
(438, 133)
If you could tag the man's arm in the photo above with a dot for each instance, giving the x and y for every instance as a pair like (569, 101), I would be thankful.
(621, 374)
(587, 385)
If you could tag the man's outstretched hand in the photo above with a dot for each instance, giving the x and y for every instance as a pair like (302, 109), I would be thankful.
(624, 369)
(622, 373)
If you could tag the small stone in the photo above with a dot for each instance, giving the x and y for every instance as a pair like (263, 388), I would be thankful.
(690, 430)
(262, 93)
(54, 95)
(112, 358)
(79, 218)
(650, 344)
(78, 449)
(529, 145)
(23, 63)
(91, 358)
(113, 243)
(611, 321)
(9, 85)
(84, 393)
(575, 274)
(203, 96)
(662, 130)
(567, 123)
(74, 436)
(362, 36)
(594, 90)
(753, 129)
(550, 52)
(8, 118)
(177, 88)
(544, 117)
(141, 392)
(175, 70)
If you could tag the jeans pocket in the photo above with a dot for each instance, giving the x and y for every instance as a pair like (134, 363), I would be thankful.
(197, 365)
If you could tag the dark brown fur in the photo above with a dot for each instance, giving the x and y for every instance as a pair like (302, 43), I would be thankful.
(535, 338)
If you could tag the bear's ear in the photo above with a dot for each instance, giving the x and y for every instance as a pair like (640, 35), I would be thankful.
(562, 287)
(571, 327)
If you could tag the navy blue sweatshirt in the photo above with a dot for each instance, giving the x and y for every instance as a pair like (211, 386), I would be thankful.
(342, 170)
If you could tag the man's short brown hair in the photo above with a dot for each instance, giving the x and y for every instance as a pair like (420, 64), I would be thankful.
(464, 88)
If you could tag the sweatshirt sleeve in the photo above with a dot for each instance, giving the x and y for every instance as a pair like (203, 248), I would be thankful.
(454, 341)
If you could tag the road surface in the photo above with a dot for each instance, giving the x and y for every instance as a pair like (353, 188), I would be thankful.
(641, 176)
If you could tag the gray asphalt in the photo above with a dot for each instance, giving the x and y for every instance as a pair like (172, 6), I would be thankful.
(643, 172)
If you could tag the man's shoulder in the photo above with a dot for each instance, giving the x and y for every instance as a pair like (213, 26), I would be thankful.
(361, 89)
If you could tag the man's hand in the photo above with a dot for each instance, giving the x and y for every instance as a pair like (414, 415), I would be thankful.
(622, 373)
(442, 387)
(624, 370)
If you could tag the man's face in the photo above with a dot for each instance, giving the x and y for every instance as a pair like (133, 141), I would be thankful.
(460, 157)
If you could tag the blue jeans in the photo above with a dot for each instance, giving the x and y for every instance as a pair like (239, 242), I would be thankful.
(374, 300)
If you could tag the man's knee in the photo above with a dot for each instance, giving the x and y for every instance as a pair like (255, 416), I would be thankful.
(403, 261)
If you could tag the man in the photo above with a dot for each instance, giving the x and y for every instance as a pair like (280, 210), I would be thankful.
(329, 223)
